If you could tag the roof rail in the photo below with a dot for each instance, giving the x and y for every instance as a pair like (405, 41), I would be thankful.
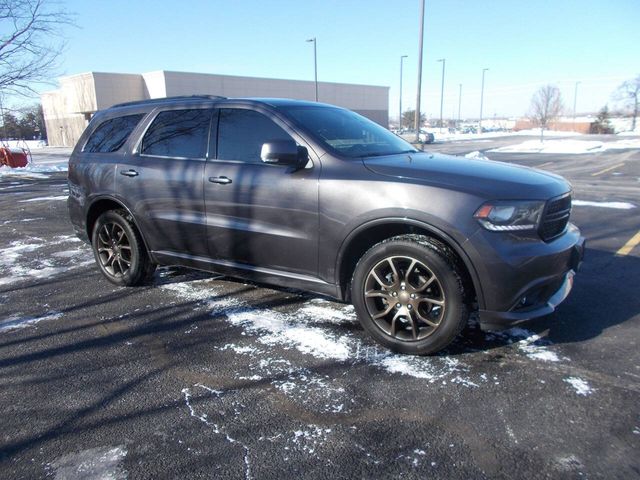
(168, 99)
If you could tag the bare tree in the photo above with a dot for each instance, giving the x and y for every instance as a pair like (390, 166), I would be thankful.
(30, 42)
(628, 93)
(546, 105)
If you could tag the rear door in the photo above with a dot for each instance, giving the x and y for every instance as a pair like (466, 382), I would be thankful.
(162, 181)
(259, 215)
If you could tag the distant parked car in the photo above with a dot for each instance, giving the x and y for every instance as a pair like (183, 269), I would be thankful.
(318, 198)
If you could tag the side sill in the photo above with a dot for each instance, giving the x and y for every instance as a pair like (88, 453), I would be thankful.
(250, 272)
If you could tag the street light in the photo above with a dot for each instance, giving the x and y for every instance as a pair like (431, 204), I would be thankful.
(459, 103)
(442, 91)
(402, 57)
(481, 100)
(420, 41)
(315, 63)
(575, 101)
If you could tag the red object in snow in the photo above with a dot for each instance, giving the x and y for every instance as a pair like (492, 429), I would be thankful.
(14, 157)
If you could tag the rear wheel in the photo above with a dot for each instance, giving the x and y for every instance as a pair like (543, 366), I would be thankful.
(119, 250)
(409, 294)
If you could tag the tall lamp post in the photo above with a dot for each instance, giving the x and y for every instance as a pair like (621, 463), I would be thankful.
(481, 100)
(315, 63)
(420, 41)
(442, 91)
(459, 103)
(402, 57)
(575, 103)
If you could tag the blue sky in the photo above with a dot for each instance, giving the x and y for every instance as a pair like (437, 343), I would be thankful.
(525, 44)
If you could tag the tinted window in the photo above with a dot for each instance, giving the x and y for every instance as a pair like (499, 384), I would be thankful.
(241, 134)
(348, 133)
(112, 134)
(178, 133)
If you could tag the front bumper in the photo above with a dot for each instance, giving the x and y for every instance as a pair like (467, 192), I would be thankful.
(540, 296)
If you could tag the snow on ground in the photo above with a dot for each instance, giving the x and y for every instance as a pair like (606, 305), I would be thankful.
(101, 463)
(16, 322)
(616, 205)
(568, 146)
(44, 160)
(29, 260)
(457, 136)
(44, 199)
(529, 343)
(580, 386)
(477, 155)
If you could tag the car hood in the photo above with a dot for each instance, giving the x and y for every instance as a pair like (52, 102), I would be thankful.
(487, 178)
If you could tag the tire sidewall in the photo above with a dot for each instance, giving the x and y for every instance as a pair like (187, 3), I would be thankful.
(134, 271)
(455, 309)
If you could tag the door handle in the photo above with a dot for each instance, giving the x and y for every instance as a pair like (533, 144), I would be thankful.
(129, 173)
(220, 180)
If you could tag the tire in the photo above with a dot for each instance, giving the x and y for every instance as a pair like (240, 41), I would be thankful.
(409, 295)
(119, 250)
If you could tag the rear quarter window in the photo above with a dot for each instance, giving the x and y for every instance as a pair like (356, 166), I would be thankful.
(112, 134)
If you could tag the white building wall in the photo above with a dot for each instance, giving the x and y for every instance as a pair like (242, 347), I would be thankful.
(68, 110)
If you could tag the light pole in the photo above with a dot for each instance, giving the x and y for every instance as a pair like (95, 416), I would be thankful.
(420, 41)
(481, 100)
(402, 57)
(575, 102)
(442, 91)
(459, 103)
(315, 63)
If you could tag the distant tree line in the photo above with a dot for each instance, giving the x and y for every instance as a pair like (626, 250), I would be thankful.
(27, 124)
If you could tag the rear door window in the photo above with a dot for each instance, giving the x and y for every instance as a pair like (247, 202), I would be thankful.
(241, 134)
(178, 133)
(112, 134)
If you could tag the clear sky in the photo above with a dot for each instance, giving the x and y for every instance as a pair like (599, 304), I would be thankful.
(525, 44)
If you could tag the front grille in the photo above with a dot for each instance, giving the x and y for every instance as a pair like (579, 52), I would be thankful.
(555, 217)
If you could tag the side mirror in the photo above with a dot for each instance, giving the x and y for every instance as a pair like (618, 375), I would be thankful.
(284, 152)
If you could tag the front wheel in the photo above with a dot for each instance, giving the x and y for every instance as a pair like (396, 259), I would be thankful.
(119, 250)
(409, 295)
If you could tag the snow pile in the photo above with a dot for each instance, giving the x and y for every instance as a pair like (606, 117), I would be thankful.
(476, 155)
(580, 386)
(568, 146)
(28, 144)
(616, 205)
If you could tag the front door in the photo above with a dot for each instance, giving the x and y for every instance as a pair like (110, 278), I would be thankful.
(258, 214)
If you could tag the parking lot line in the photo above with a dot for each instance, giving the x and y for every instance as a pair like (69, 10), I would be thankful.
(607, 169)
(633, 242)
(546, 164)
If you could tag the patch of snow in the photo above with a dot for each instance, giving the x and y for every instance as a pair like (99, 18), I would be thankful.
(580, 386)
(44, 199)
(102, 463)
(15, 322)
(531, 344)
(568, 146)
(477, 155)
(616, 205)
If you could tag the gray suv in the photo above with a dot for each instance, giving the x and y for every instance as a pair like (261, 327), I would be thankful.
(318, 198)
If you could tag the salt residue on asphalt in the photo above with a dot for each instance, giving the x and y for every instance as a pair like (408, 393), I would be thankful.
(580, 386)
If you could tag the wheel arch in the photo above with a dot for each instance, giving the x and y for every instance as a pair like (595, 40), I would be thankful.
(371, 233)
(103, 204)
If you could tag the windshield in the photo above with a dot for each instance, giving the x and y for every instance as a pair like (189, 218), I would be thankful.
(347, 133)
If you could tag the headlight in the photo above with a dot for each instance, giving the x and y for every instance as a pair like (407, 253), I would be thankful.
(510, 216)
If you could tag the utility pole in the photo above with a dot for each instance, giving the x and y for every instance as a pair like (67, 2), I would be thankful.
(417, 119)
(442, 92)
(481, 100)
(315, 62)
(402, 57)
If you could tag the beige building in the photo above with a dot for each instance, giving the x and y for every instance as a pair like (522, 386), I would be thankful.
(68, 109)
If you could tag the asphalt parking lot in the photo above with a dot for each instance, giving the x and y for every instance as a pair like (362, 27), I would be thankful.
(199, 376)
